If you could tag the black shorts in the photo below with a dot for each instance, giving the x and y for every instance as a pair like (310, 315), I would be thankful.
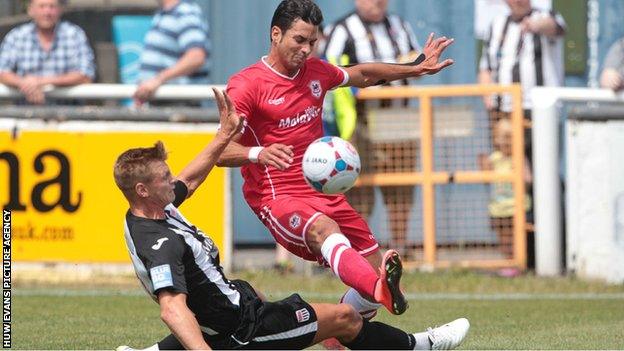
(286, 324)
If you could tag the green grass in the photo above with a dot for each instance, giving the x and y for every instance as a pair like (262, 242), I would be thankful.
(520, 313)
(84, 322)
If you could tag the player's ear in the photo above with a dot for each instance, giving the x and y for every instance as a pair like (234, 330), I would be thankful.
(276, 35)
(141, 190)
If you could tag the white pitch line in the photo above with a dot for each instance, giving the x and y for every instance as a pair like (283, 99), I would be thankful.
(473, 296)
(74, 293)
(329, 296)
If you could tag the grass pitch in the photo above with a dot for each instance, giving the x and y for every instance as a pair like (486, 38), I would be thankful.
(520, 313)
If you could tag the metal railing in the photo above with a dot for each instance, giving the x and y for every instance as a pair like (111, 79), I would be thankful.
(119, 91)
(115, 112)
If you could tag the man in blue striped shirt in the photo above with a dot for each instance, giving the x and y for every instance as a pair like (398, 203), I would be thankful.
(45, 51)
(176, 49)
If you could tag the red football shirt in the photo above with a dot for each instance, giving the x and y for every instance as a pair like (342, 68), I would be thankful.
(285, 110)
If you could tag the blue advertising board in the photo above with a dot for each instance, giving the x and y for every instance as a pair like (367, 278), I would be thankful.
(128, 34)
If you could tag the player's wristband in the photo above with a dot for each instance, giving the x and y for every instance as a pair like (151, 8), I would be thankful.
(254, 152)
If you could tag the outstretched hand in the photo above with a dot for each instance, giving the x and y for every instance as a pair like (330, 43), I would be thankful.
(231, 122)
(433, 50)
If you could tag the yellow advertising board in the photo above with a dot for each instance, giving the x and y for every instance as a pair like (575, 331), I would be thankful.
(58, 181)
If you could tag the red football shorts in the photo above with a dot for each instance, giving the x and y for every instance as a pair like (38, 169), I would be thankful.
(289, 217)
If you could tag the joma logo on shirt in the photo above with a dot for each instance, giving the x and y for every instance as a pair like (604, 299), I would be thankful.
(159, 243)
(302, 118)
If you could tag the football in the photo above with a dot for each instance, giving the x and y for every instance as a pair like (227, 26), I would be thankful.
(331, 165)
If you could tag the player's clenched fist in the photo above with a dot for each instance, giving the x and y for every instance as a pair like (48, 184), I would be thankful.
(279, 156)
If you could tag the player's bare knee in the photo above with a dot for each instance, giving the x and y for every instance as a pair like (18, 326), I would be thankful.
(349, 321)
(319, 231)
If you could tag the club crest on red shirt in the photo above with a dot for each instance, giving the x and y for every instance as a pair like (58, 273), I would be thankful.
(315, 88)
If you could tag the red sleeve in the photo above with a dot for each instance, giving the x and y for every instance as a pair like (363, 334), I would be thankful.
(336, 76)
(241, 93)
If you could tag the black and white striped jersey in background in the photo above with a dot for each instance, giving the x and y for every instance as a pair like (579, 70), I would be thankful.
(530, 59)
(175, 255)
(364, 41)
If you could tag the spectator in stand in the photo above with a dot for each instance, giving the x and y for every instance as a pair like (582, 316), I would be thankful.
(502, 202)
(45, 51)
(176, 49)
(612, 76)
(524, 47)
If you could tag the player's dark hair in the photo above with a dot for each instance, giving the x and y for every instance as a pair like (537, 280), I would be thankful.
(132, 167)
(60, 2)
(288, 11)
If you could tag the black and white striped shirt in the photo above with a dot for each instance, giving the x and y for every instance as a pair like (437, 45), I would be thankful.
(363, 41)
(529, 59)
(172, 254)
(391, 40)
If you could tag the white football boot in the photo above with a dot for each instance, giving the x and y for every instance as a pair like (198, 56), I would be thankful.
(448, 336)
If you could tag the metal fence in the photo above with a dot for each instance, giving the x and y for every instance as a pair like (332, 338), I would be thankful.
(456, 225)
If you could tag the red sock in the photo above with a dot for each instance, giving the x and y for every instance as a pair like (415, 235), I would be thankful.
(353, 269)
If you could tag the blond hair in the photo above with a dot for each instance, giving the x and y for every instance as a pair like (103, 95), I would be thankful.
(133, 166)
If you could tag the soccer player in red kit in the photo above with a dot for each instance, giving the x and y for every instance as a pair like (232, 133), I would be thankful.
(281, 97)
